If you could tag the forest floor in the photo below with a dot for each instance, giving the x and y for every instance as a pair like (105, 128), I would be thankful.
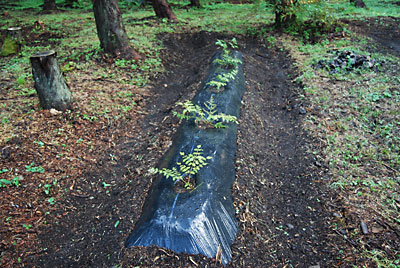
(82, 177)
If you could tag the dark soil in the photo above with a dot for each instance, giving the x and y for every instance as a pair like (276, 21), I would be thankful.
(278, 195)
(383, 30)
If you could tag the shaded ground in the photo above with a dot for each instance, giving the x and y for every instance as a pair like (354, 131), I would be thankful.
(285, 214)
(277, 195)
(384, 30)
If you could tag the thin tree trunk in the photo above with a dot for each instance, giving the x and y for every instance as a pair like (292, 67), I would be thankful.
(358, 3)
(49, 5)
(50, 85)
(195, 3)
(111, 31)
(163, 10)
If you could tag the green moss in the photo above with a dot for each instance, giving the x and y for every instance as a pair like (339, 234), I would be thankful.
(9, 47)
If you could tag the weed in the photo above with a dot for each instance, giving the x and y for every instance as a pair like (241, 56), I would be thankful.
(33, 169)
(271, 41)
(39, 143)
(13, 182)
(47, 187)
(51, 201)
(27, 226)
(381, 259)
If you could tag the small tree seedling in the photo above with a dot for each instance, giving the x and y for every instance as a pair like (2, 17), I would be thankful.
(226, 61)
(187, 169)
(207, 116)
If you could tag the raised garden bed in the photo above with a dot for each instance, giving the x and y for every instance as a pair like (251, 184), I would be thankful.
(202, 219)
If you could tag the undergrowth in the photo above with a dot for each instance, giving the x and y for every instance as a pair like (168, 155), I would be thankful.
(355, 116)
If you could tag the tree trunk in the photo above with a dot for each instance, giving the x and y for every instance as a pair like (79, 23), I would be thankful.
(50, 85)
(163, 10)
(358, 3)
(111, 31)
(49, 5)
(195, 3)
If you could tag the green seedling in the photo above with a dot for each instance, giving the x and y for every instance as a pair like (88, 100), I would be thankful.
(226, 61)
(27, 226)
(51, 201)
(106, 184)
(187, 169)
(207, 116)
(14, 182)
(221, 80)
(47, 187)
(31, 168)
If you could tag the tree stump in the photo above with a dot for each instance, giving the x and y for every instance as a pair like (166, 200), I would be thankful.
(50, 85)
(14, 33)
(12, 43)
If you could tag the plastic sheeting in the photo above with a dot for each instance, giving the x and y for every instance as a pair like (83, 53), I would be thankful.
(201, 221)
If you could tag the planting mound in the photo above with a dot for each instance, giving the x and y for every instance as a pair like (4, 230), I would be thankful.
(201, 221)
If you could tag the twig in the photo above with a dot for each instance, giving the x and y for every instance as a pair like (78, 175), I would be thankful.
(389, 226)
(218, 255)
(355, 245)
(387, 166)
(195, 263)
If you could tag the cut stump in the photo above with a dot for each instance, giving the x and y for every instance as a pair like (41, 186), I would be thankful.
(14, 33)
(50, 85)
(13, 41)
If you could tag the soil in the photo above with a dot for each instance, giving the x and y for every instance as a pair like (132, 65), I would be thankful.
(384, 30)
(279, 201)
(284, 211)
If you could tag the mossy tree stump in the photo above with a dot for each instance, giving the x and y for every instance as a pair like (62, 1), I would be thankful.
(12, 43)
(50, 85)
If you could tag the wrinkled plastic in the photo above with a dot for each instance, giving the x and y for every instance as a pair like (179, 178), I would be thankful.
(201, 221)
